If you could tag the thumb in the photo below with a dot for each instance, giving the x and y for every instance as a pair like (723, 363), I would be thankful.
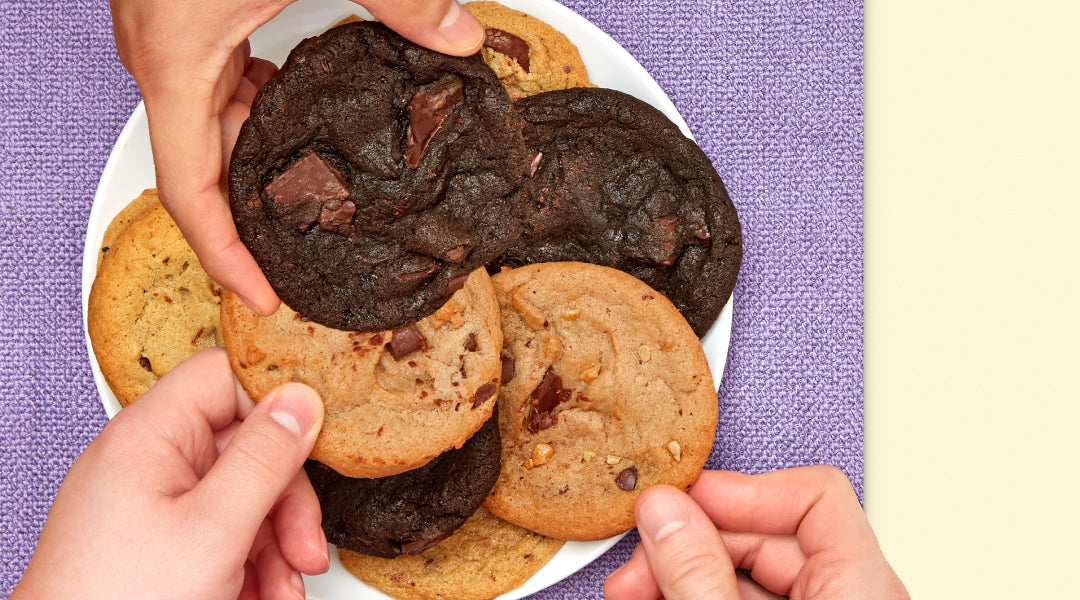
(684, 549)
(264, 455)
(442, 25)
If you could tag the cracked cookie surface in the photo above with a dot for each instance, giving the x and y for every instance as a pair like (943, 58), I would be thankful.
(606, 393)
(394, 399)
(151, 304)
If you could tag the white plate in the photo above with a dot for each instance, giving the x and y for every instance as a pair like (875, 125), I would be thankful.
(130, 170)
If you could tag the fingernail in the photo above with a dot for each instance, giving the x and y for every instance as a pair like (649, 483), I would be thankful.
(460, 31)
(325, 549)
(298, 584)
(660, 516)
(293, 407)
(244, 404)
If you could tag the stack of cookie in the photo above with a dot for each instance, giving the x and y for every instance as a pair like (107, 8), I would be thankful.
(448, 237)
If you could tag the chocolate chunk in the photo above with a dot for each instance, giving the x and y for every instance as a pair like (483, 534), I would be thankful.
(145, 363)
(507, 369)
(455, 254)
(300, 191)
(428, 109)
(336, 216)
(534, 162)
(455, 284)
(483, 393)
(405, 340)
(509, 44)
(470, 343)
(428, 272)
(542, 402)
(627, 479)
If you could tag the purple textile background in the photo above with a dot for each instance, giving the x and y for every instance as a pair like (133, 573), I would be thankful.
(772, 90)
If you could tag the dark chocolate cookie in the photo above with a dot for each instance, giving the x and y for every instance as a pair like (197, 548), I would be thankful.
(406, 513)
(617, 184)
(373, 174)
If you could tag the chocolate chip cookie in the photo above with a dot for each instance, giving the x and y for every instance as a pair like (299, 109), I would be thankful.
(151, 304)
(394, 399)
(373, 173)
(617, 184)
(605, 391)
(408, 512)
(484, 559)
(527, 54)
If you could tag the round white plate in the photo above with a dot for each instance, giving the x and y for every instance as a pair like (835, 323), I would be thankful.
(130, 170)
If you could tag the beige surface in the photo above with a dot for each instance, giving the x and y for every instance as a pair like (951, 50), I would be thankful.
(972, 333)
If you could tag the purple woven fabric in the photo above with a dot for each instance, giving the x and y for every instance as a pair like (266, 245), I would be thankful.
(771, 90)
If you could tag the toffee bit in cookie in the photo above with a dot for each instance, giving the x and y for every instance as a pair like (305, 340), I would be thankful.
(590, 374)
(145, 364)
(428, 109)
(627, 479)
(675, 449)
(542, 402)
(406, 340)
(542, 453)
(507, 369)
(509, 44)
(484, 393)
(300, 192)
(470, 343)
(644, 353)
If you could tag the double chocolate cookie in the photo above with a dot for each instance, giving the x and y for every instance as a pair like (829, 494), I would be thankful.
(406, 513)
(373, 174)
(617, 184)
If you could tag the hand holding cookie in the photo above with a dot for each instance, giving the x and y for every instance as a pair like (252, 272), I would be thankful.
(799, 533)
(179, 497)
(192, 64)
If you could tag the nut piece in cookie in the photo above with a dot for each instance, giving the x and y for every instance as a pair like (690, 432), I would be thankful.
(373, 173)
(151, 304)
(588, 419)
(527, 54)
(484, 559)
(394, 399)
(617, 184)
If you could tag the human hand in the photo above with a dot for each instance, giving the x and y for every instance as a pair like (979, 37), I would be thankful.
(799, 532)
(191, 62)
(177, 498)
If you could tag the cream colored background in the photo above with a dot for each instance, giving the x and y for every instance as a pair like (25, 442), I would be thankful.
(973, 294)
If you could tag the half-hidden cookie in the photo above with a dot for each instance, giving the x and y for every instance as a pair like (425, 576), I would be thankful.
(395, 399)
(408, 512)
(151, 304)
(372, 173)
(484, 559)
(527, 54)
(617, 184)
(605, 392)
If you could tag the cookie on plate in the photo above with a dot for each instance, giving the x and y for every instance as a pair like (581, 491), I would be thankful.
(484, 559)
(372, 173)
(617, 184)
(124, 218)
(527, 54)
(394, 399)
(151, 304)
(605, 391)
(408, 512)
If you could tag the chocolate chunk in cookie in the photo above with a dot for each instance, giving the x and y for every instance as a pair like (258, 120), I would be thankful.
(373, 174)
(406, 513)
(617, 184)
